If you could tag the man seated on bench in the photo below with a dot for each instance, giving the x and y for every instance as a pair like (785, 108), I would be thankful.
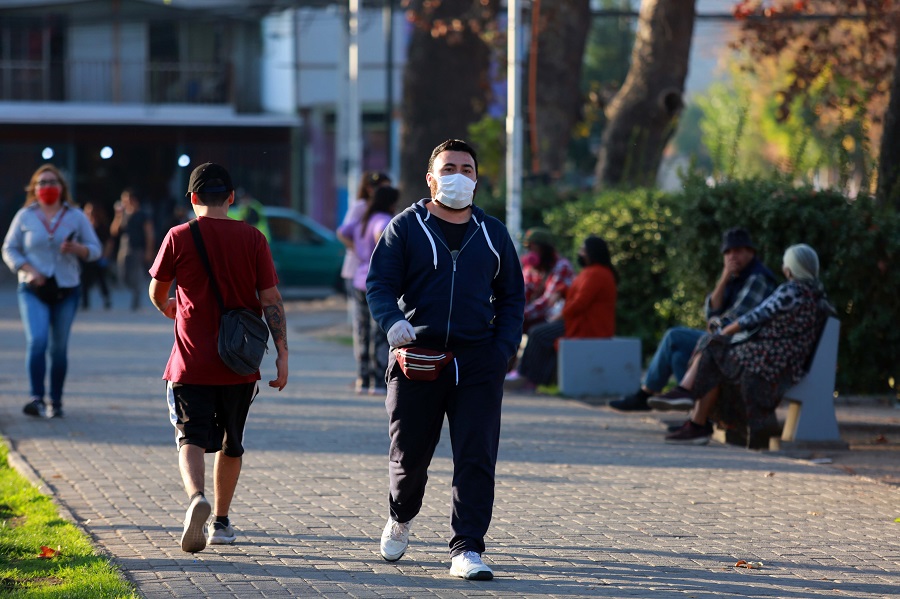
(762, 354)
(744, 283)
(589, 311)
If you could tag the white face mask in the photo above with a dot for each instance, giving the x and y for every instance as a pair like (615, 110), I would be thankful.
(454, 191)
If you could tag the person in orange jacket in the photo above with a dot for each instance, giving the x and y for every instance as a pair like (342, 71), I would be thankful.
(589, 311)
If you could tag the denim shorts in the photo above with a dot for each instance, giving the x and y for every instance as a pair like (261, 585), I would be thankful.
(210, 416)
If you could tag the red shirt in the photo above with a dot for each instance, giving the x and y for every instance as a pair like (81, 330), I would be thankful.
(590, 309)
(242, 263)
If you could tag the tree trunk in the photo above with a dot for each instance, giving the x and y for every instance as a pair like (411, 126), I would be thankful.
(562, 33)
(644, 113)
(446, 83)
(889, 156)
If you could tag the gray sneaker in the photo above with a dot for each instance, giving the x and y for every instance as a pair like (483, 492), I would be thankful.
(193, 538)
(468, 565)
(220, 534)
(394, 539)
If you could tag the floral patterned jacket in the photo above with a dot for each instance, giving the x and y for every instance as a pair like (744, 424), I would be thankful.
(787, 326)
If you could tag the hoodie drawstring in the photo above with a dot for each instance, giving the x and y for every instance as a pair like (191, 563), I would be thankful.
(430, 239)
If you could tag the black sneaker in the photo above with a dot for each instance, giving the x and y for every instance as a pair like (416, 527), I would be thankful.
(690, 434)
(636, 402)
(35, 408)
(678, 398)
(677, 426)
(674, 428)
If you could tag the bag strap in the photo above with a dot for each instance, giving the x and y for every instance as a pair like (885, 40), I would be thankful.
(204, 257)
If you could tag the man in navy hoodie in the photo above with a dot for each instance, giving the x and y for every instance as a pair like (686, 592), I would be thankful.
(445, 276)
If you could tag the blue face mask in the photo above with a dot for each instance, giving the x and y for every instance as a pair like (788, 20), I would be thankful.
(455, 191)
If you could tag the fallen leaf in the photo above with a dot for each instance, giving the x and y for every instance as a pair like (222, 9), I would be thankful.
(47, 552)
(897, 520)
(880, 439)
(749, 565)
(814, 513)
(769, 474)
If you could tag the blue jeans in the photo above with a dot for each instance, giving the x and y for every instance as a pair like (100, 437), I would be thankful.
(671, 357)
(47, 328)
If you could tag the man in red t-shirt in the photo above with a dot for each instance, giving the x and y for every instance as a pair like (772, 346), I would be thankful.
(208, 402)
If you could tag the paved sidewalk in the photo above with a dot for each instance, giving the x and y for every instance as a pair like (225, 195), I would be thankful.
(590, 503)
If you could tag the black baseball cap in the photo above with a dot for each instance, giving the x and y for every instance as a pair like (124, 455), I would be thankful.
(209, 178)
(737, 237)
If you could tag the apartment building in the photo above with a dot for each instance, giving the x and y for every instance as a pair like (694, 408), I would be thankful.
(135, 93)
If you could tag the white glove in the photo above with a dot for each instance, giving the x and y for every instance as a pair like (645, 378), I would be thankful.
(401, 333)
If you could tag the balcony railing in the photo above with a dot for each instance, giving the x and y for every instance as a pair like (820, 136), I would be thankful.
(115, 82)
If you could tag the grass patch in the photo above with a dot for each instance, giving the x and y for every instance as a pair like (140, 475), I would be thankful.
(548, 389)
(30, 520)
(339, 339)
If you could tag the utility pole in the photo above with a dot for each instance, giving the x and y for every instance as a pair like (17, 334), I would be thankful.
(389, 89)
(513, 123)
(354, 129)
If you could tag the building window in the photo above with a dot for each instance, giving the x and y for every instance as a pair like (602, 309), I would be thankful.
(188, 63)
(32, 59)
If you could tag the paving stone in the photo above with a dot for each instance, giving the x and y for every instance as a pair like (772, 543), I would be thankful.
(589, 502)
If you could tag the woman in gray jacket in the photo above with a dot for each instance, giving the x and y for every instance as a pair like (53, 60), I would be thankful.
(45, 241)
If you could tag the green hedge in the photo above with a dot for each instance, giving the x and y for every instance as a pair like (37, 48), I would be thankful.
(666, 248)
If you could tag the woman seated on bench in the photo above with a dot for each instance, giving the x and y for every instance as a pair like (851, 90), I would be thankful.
(589, 311)
(763, 354)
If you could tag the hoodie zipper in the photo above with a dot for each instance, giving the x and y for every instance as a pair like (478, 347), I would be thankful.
(453, 276)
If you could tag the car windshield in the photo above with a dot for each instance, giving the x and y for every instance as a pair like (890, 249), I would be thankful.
(289, 230)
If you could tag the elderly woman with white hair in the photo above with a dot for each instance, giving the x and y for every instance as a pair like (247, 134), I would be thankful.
(762, 354)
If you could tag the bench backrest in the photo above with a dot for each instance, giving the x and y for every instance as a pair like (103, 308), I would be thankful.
(819, 379)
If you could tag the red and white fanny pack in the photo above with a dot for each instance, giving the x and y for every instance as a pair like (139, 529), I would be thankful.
(421, 363)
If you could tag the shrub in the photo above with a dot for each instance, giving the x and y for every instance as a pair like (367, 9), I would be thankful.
(538, 198)
(638, 227)
(857, 245)
(666, 249)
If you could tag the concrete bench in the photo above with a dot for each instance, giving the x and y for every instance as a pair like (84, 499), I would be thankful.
(811, 418)
(595, 367)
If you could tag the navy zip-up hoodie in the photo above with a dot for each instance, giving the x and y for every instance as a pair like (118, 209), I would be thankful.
(475, 297)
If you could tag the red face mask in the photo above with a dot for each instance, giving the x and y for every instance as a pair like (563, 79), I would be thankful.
(48, 194)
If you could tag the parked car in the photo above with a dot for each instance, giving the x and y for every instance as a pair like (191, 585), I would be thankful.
(307, 254)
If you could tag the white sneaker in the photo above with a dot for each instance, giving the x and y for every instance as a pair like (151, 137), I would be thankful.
(193, 538)
(220, 534)
(394, 539)
(468, 565)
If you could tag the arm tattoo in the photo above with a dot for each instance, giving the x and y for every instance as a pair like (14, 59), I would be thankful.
(276, 321)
